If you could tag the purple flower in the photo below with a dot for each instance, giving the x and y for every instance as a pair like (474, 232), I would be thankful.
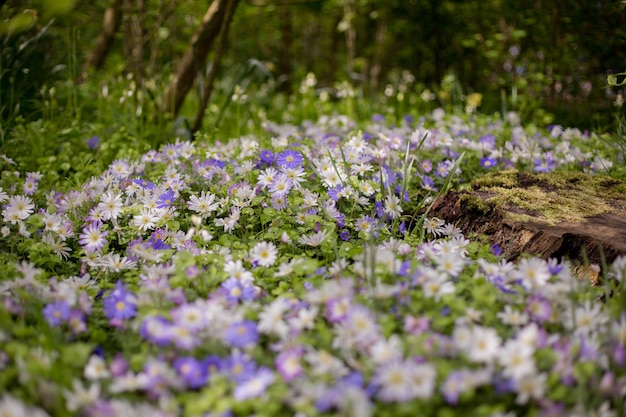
(443, 168)
(76, 321)
(255, 385)
(426, 165)
(93, 142)
(288, 364)
(487, 162)
(236, 290)
(144, 183)
(495, 249)
(93, 237)
(192, 371)
(289, 159)
(378, 118)
(238, 367)
(379, 210)
(453, 386)
(488, 140)
(344, 235)
(428, 183)
(213, 364)
(242, 334)
(30, 185)
(539, 308)
(119, 365)
(166, 199)
(544, 165)
(267, 157)
(333, 192)
(120, 304)
(57, 313)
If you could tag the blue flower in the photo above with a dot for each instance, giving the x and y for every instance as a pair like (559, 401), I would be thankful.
(242, 334)
(120, 304)
(192, 371)
(57, 313)
(487, 162)
(289, 159)
(166, 199)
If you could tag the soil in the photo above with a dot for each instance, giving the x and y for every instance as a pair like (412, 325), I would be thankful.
(568, 215)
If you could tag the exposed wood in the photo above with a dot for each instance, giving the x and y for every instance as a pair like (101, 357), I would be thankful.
(571, 216)
(194, 58)
(217, 57)
(110, 24)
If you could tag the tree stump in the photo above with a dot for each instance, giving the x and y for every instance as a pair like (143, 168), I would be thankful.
(564, 215)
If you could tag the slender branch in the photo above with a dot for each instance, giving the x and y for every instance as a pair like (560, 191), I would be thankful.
(230, 10)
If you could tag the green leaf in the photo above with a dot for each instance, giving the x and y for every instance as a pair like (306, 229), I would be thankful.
(58, 7)
(20, 23)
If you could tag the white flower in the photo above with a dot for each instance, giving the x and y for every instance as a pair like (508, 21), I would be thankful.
(323, 363)
(266, 177)
(586, 319)
(533, 272)
(58, 246)
(396, 382)
(485, 345)
(14, 407)
(392, 206)
(450, 263)
(517, 359)
(304, 320)
(190, 316)
(96, 368)
(271, 318)
(110, 206)
(18, 208)
(386, 350)
(235, 270)
(146, 219)
(264, 254)
(531, 386)
(512, 317)
(203, 204)
(81, 397)
(436, 284)
(315, 239)
(423, 376)
(115, 262)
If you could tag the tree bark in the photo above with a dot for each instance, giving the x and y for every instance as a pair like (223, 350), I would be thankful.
(110, 23)
(134, 39)
(195, 56)
(570, 215)
(285, 48)
(208, 86)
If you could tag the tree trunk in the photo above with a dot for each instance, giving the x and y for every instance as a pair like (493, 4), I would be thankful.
(208, 86)
(134, 39)
(285, 47)
(350, 15)
(566, 215)
(379, 52)
(110, 23)
(195, 56)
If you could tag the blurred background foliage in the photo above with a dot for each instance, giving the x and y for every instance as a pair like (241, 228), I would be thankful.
(546, 59)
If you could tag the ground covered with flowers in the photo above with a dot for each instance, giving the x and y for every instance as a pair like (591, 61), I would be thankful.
(298, 272)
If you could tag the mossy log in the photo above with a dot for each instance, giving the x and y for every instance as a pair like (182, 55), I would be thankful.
(564, 215)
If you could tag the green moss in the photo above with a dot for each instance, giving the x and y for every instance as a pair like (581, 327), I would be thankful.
(548, 197)
(506, 179)
(476, 203)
